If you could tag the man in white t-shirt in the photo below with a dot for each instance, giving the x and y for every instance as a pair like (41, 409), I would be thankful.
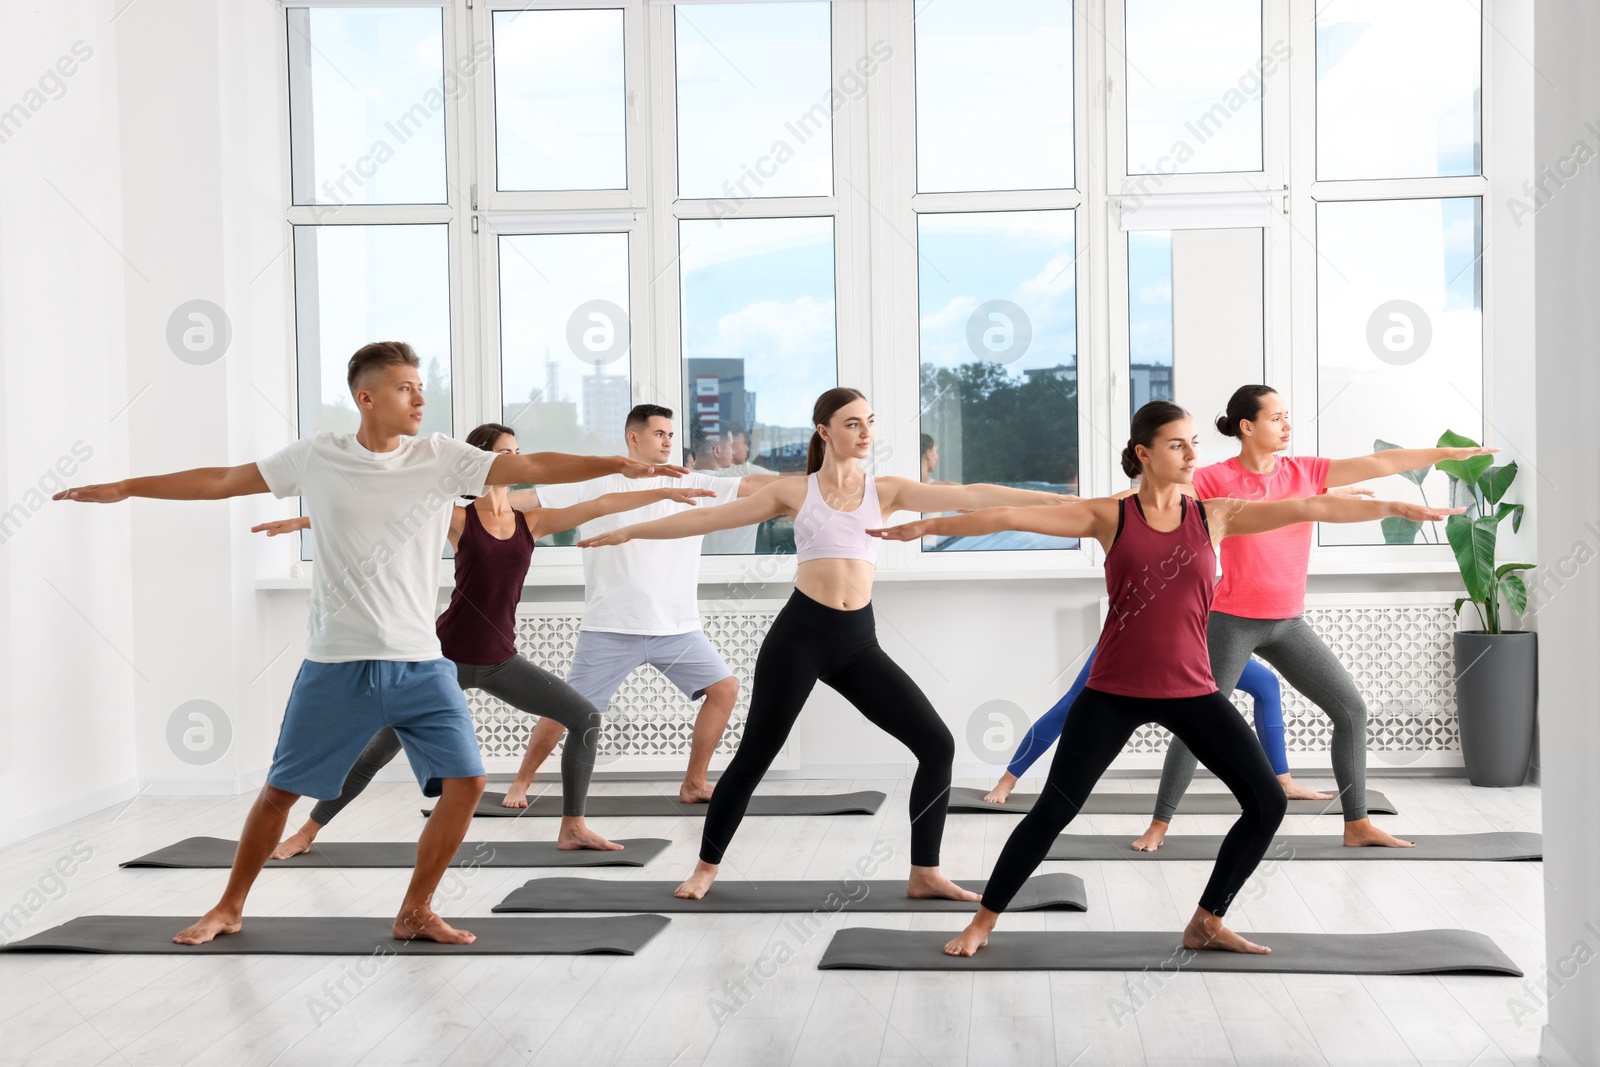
(380, 500)
(741, 540)
(641, 606)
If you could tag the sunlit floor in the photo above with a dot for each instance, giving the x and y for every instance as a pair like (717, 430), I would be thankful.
(672, 1004)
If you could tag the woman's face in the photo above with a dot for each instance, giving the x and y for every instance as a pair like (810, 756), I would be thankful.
(1270, 428)
(1171, 454)
(850, 430)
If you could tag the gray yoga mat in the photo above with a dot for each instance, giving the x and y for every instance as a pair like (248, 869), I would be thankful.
(865, 802)
(1057, 890)
(1403, 952)
(967, 800)
(274, 935)
(217, 852)
(1493, 846)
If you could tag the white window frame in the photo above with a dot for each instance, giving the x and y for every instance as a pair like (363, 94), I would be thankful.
(876, 266)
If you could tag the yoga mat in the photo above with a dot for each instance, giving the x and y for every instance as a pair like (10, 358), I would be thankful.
(1043, 891)
(968, 800)
(1493, 846)
(274, 935)
(865, 802)
(217, 852)
(1404, 952)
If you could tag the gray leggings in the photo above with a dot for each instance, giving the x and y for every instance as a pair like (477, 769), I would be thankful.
(1310, 666)
(525, 686)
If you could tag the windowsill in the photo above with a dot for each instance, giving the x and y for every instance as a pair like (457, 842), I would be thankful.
(571, 575)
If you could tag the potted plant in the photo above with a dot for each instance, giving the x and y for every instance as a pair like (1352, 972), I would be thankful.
(1496, 669)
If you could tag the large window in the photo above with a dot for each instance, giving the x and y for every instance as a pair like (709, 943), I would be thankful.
(1010, 222)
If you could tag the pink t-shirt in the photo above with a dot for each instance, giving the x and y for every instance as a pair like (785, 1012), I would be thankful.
(1264, 575)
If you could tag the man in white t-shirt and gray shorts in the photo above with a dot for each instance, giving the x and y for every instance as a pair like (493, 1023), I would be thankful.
(641, 607)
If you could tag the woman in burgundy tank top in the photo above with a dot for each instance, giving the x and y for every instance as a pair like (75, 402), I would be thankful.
(493, 543)
(1152, 664)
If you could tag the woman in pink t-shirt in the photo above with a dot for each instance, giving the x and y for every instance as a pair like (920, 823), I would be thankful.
(1259, 605)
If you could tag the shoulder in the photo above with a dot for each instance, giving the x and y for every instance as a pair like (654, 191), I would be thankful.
(1312, 468)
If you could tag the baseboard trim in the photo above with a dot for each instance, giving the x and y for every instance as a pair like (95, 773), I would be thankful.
(17, 830)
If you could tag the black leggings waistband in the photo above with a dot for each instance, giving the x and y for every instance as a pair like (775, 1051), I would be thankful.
(802, 608)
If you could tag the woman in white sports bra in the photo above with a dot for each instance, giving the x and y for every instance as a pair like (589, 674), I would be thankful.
(826, 633)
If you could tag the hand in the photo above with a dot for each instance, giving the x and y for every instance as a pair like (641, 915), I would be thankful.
(1418, 513)
(615, 537)
(282, 526)
(106, 493)
(632, 468)
(686, 496)
(1468, 453)
(906, 531)
(1351, 491)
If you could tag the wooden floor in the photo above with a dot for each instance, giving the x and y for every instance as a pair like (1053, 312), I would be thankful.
(671, 1004)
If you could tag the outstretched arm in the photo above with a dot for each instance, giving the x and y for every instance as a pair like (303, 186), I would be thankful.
(1394, 461)
(544, 468)
(1079, 518)
(202, 483)
(904, 494)
(1234, 518)
(550, 520)
(769, 503)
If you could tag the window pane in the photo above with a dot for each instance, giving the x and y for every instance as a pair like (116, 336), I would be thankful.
(357, 284)
(1195, 322)
(759, 347)
(999, 339)
(366, 114)
(755, 108)
(1399, 339)
(994, 95)
(1194, 75)
(1398, 89)
(564, 341)
(559, 105)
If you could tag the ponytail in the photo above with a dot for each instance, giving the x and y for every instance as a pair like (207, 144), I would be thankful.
(827, 405)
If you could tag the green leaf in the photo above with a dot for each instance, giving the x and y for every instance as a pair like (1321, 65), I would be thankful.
(1506, 568)
(1415, 477)
(1498, 480)
(1473, 544)
(1468, 470)
(1460, 600)
(1516, 593)
(1516, 519)
(1398, 530)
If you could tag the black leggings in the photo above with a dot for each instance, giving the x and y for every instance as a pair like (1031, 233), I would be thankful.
(810, 642)
(1098, 725)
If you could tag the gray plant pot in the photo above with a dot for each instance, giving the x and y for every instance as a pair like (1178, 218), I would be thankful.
(1497, 689)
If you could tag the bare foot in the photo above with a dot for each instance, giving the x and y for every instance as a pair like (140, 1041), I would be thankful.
(696, 792)
(1205, 931)
(1002, 789)
(214, 922)
(580, 836)
(1361, 833)
(421, 924)
(1151, 839)
(698, 882)
(293, 845)
(516, 794)
(1295, 791)
(928, 883)
(967, 942)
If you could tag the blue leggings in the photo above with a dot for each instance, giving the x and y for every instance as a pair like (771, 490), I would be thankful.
(1256, 680)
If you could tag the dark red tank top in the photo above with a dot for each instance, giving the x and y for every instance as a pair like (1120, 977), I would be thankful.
(1160, 583)
(479, 627)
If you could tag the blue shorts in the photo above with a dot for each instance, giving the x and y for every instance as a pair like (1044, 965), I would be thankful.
(604, 659)
(335, 708)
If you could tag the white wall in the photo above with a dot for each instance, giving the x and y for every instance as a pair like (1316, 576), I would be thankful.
(1568, 389)
(66, 628)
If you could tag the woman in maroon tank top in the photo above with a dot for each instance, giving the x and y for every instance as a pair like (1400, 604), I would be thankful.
(493, 542)
(1152, 664)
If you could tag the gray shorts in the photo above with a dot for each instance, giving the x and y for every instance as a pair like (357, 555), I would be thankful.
(604, 659)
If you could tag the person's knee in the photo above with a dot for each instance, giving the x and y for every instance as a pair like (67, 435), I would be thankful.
(724, 693)
(936, 748)
(472, 786)
(281, 799)
(1274, 805)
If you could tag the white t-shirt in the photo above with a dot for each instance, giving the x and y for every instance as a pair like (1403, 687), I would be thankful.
(741, 540)
(642, 587)
(380, 520)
